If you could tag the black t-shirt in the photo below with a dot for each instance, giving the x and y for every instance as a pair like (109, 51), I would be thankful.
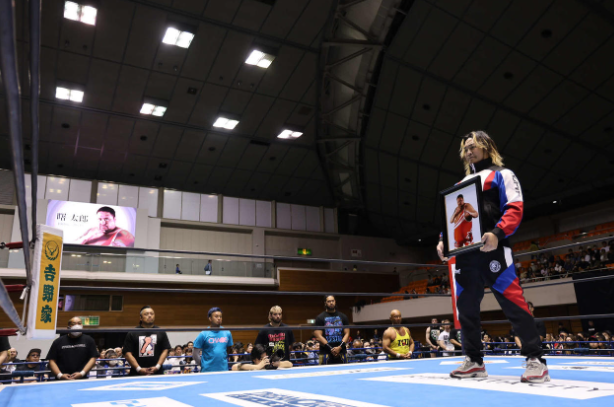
(146, 347)
(72, 354)
(276, 338)
(334, 336)
(4, 343)
(456, 334)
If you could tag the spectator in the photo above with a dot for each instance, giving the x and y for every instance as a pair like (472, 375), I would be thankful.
(173, 363)
(591, 328)
(297, 353)
(236, 353)
(432, 336)
(312, 352)
(260, 361)
(548, 341)
(209, 268)
(248, 352)
(191, 345)
(213, 345)
(358, 335)
(189, 363)
(11, 358)
(274, 335)
(177, 271)
(332, 340)
(33, 357)
(444, 338)
(109, 367)
(119, 352)
(518, 264)
(455, 339)
(397, 343)
(487, 343)
(145, 350)
(72, 356)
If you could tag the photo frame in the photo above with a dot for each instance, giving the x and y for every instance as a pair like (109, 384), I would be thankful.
(463, 226)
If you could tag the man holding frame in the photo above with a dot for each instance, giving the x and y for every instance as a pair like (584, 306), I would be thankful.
(500, 210)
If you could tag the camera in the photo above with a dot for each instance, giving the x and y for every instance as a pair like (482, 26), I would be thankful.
(274, 356)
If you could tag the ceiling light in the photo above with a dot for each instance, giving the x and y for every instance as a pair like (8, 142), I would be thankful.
(225, 123)
(259, 58)
(62, 93)
(181, 39)
(77, 12)
(289, 134)
(73, 95)
(151, 108)
(553, 201)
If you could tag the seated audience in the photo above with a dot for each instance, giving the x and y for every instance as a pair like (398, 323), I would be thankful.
(33, 357)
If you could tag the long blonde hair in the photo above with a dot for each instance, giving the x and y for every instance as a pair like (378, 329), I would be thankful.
(483, 141)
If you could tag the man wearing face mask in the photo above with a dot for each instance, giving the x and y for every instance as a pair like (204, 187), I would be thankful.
(72, 356)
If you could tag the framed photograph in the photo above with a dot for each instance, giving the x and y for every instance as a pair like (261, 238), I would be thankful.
(462, 211)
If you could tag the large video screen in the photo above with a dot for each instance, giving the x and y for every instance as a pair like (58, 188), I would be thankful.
(93, 224)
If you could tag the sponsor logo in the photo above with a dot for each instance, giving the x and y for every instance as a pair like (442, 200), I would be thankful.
(218, 340)
(284, 398)
(149, 386)
(330, 373)
(52, 250)
(148, 402)
(568, 389)
(495, 266)
(458, 362)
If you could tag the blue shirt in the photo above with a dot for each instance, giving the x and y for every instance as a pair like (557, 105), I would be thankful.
(214, 344)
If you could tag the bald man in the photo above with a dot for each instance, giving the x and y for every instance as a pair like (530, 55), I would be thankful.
(398, 344)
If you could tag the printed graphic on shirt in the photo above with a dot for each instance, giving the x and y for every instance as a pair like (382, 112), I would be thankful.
(333, 334)
(147, 345)
(217, 340)
(277, 341)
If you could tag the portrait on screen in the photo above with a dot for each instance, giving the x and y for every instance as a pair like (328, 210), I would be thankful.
(462, 217)
(93, 224)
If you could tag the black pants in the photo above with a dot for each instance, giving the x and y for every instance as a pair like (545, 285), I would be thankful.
(496, 270)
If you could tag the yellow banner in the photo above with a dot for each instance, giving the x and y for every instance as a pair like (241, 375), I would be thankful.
(48, 281)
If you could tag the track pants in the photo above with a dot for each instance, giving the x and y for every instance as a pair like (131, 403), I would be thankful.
(496, 270)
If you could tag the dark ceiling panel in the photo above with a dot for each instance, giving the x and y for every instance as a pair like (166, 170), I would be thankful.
(130, 89)
(148, 28)
(202, 51)
(100, 88)
(190, 145)
(231, 56)
(112, 28)
(282, 17)
(167, 141)
(251, 14)
(222, 10)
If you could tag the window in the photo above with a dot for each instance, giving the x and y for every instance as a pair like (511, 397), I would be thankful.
(90, 302)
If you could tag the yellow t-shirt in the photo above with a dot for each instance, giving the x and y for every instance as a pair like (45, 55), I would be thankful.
(401, 342)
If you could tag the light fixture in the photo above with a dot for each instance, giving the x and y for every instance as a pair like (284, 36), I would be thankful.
(553, 202)
(73, 95)
(153, 108)
(77, 12)
(289, 134)
(225, 123)
(259, 58)
(173, 36)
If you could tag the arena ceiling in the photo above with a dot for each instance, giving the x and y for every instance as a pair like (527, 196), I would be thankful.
(381, 89)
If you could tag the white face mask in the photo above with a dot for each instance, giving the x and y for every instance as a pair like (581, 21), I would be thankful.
(76, 334)
(112, 362)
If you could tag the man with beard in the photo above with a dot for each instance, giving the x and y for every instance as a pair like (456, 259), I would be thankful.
(144, 349)
(276, 338)
(332, 340)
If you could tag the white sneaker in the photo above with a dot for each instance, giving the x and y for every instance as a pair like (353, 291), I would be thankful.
(469, 369)
(537, 372)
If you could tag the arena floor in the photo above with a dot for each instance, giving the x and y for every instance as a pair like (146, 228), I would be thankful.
(575, 381)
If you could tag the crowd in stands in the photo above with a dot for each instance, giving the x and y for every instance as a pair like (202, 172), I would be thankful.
(547, 266)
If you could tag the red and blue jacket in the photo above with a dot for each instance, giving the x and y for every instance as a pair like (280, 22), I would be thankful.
(502, 199)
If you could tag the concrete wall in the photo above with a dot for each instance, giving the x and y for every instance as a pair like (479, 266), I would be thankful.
(442, 306)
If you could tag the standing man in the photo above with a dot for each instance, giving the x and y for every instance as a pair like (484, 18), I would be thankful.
(208, 268)
(213, 345)
(177, 269)
(72, 356)
(276, 338)
(332, 340)
(492, 265)
(397, 343)
(144, 349)
(432, 336)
